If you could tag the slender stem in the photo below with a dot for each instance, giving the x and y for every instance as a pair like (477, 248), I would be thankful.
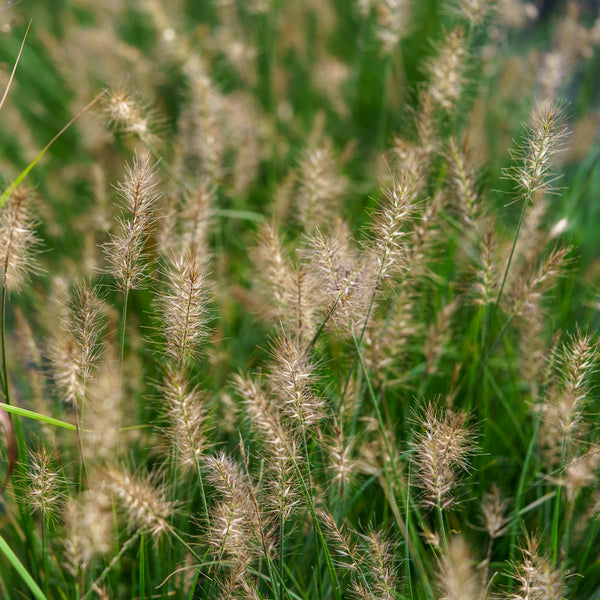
(113, 562)
(121, 359)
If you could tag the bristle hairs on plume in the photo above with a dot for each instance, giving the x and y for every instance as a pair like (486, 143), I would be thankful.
(143, 499)
(17, 239)
(183, 305)
(126, 250)
(542, 142)
(441, 450)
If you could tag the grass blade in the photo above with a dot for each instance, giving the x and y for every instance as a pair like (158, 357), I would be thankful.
(21, 570)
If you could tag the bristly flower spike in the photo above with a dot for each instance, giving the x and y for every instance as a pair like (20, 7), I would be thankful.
(126, 251)
(17, 240)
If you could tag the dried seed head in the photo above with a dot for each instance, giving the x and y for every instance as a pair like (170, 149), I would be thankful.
(380, 559)
(196, 217)
(17, 240)
(393, 20)
(342, 466)
(77, 347)
(543, 141)
(475, 10)
(563, 410)
(463, 183)
(321, 189)
(446, 71)
(441, 450)
(494, 510)
(126, 114)
(458, 579)
(347, 279)
(391, 221)
(46, 491)
(292, 381)
(536, 577)
(187, 418)
(202, 137)
(184, 308)
(488, 273)
(126, 250)
(89, 528)
(144, 500)
(279, 440)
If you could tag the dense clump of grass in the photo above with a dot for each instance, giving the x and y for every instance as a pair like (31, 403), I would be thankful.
(292, 317)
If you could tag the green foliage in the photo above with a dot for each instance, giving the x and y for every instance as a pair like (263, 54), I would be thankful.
(299, 300)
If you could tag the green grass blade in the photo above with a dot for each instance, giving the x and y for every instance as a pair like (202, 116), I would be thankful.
(21, 570)
(13, 186)
(23, 412)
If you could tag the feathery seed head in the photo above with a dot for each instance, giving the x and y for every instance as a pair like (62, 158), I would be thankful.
(322, 188)
(90, 528)
(17, 240)
(391, 219)
(126, 114)
(458, 579)
(543, 141)
(46, 486)
(536, 577)
(144, 500)
(187, 417)
(441, 448)
(184, 307)
(393, 20)
(494, 513)
(475, 10)
(291, 379)
(446, 71)
(126, 251)
(347, 278)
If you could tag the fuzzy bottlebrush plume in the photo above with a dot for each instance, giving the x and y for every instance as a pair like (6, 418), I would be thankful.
(292, 380)
(288, 290)
(475, 10)
(380, 558)
(126, 250)
(543, 141)
(321, 188)
(77, 348)
(458, 579)
(441, 450)
(183, 307)
(275, 272)
(446, 71)
(528, 290)
(279, 440)
(46, 491)
(89, 527)
(389, 228)
(143, 500)
(104, 411)
(563, 409)
(202, 137)
(487, 277)
(196, 216)
(237, 530)
(536, 577)
(234, 522)
(463, 183)
(348, 279)
(393, 19)
(342, 467)
(187, 418)
(126, 114)
(17, 240)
